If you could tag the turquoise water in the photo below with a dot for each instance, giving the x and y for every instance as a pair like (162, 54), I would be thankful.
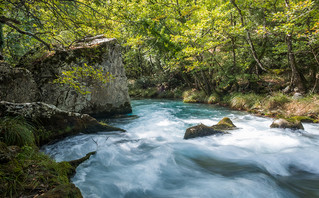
(153, 160)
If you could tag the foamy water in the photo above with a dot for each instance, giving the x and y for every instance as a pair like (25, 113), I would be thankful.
(153, 160)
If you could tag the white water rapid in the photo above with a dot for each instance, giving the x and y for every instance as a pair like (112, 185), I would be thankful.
(153, 160)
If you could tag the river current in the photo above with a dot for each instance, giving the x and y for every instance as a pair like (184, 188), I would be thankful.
(153, 160)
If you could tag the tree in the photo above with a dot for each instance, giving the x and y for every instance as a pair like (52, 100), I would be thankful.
(52, 23)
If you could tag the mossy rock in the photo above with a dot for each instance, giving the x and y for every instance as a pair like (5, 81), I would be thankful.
(52, 122)
(77, 162)
(30, 173)
(287, 123)
(224, 124)
(302, 119)
(200, 131)
(63, 190)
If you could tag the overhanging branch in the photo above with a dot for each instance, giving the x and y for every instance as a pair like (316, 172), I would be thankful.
(9, 22)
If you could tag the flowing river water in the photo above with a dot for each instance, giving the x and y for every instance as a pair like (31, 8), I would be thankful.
(153, 160)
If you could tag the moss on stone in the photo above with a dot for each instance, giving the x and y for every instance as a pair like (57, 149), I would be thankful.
(31, 173)
(302, 118)
(224, 124)
(63, 190)
(226, 121)
(201, 130)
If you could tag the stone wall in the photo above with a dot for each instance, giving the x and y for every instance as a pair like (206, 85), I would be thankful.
(104, 99)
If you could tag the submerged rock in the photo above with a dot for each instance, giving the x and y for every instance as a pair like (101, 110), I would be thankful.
(200, 131)
(284, 123)
(56, 122)
(224, 124)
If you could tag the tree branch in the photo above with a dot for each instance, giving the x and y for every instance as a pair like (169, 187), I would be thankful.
(7, 22)
(4, 20)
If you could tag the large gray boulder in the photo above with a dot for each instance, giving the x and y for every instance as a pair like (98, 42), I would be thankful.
(57, 123)
(284, 123)
(31, 80)
(16, 84)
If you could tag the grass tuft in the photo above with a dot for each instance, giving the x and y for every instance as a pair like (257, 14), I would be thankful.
(245, 101)
(16, 131)
(276, 100)
(31, 173)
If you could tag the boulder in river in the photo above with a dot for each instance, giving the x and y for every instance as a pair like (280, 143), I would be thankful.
(284, 123)
(200, 131)
(224, 124)
(56, 122)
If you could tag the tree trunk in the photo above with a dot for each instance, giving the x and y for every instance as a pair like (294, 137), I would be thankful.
(249, 40)
(1, 42)
(233, 45)
(296, 78)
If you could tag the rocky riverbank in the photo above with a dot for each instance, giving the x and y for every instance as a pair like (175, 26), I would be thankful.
(26, 172)
(276, 105)
(50, 95)
(303, 108)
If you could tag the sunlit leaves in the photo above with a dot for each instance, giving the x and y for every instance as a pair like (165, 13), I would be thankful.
(79, 76)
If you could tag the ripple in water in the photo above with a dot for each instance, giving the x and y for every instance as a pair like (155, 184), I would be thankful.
(153, 160)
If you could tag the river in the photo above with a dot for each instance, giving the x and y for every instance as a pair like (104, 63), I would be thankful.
(153, 160)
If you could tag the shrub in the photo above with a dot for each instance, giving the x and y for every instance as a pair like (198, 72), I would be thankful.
(276, 100)
(213, 98)
(193, 96)
(16, 131)
(245, 101)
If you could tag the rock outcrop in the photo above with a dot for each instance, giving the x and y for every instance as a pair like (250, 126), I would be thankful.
(202, 130)
(58, 123)
(17, 84)
(31, 80)
(284, 123)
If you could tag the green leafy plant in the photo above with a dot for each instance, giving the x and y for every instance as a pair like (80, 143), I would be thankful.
(79, 76)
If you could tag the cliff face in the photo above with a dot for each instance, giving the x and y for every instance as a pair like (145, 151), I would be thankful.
(16, 84)
(103, 99)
